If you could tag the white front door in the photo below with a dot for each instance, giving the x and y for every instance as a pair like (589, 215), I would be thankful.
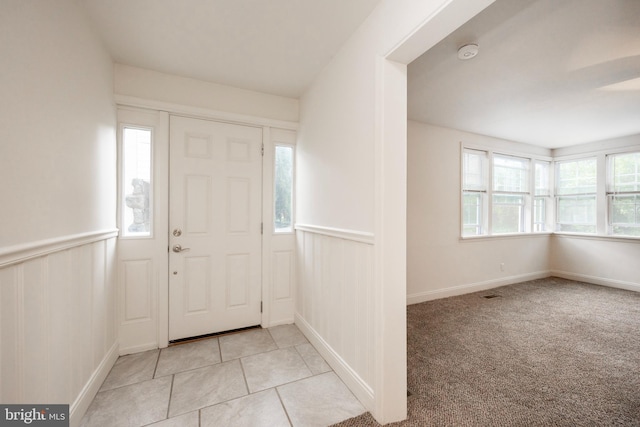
(215, 218)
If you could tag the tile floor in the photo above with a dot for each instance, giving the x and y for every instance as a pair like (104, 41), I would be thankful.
(260, 377)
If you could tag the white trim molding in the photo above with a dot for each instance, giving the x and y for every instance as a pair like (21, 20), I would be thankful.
(474, 287)
(602, 281)
(79, 407)
(356, 236)
(202, 113)
(357, 385)
(21, 253)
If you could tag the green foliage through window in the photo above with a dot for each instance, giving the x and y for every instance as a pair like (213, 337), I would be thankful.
(283, 189)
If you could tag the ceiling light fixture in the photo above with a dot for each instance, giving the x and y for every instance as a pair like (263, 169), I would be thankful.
(468, 51)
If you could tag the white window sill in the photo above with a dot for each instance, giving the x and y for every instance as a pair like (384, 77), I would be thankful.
(504, 236)
(555, 234)
(610, 238)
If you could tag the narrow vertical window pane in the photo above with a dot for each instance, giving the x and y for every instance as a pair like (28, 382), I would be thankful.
(542, 193)
(472, 213)
(474, 188)
(624, 194)
(542, 178)
(136, 182)
(474, 173)
(283, 190)
(540, 214)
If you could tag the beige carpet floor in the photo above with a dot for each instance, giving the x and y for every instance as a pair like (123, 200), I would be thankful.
(549, 352)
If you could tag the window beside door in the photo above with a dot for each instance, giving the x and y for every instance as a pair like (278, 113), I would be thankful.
(283, 189)
(135, 182)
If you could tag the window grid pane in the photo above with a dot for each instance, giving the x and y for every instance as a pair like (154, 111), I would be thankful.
(541, 173)
(136, 182)
(474, 170)
(508, 213)
(540, 214)
(510, 174)
(577, 177)
(625, 171)
(576, 214)
(473, 206)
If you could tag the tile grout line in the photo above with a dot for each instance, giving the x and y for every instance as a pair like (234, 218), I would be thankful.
(244, 376)
(284, 408)
(304, 360)
(155, 369)
(219, 349)
(173, 377)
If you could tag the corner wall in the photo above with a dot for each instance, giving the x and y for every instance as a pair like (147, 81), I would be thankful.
(607, 261)
(439, 263)
(58, 338)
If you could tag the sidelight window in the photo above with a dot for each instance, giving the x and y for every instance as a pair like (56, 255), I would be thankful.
(283, 189)
(136, 190)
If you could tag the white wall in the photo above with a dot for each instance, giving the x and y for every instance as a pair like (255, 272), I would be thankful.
(57, 132)
(351, 181)
(58, 337)
(132, 82)
(439, 263)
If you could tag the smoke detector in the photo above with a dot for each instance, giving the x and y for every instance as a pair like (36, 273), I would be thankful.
(467, 51)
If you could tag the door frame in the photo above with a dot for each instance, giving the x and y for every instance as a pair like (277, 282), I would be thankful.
(278, 297)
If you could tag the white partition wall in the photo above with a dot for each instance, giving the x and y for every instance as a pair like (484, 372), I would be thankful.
(335, 302)
(352, 176)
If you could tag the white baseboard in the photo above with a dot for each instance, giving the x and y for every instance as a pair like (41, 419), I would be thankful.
(138, 348)
(474, 287)
(358, 387)
(612, 283)
(79, 407)
(280, 322)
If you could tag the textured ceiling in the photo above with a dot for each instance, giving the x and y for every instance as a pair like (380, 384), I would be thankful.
(548, 72)
(271, 46)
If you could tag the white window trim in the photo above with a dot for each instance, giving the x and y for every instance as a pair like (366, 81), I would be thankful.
(491, 151)
(602, 207)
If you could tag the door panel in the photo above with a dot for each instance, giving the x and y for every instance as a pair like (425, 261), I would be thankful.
(215, 217)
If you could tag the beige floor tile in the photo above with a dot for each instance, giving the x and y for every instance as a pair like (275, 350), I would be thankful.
(184, 357)
(312, 358)
(274, 368)
(206, 386)
(319, 401)
(287, 335)
(243, 344)
(130, 406)
(131, 369)
(256, 410)
(191, 419)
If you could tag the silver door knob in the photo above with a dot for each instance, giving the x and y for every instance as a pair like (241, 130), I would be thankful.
(178, 248)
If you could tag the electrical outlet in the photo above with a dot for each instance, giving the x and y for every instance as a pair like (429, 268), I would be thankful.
(502, 266)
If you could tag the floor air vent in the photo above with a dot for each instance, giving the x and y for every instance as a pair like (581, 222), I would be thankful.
(491, 296)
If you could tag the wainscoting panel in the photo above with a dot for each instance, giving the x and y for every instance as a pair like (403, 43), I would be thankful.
(58, 323)
(335, 302)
